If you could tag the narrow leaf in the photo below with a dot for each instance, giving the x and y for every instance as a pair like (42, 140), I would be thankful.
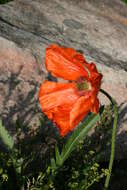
(6, 137)
(79, 134)
(53, 163)
(58, 157)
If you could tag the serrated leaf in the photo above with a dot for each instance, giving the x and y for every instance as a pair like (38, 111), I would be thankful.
(6, 137)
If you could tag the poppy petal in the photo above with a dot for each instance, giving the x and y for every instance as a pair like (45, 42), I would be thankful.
(65, 63)
(66, 95)
(62, 119)
(95, 107)
(50, 86)
(79, 110)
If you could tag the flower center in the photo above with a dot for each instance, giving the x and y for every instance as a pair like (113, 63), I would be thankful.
(83, 85)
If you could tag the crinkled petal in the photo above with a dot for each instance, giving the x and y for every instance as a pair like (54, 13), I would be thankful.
(95, 107)
(56, 101)
(65, 63)
(50, 86)
(79, 110)
(62, 118)
(60, 95)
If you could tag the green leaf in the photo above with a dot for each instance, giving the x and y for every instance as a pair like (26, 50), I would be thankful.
(6, 137)
(79, 134)
(53, 163)
(58, 157)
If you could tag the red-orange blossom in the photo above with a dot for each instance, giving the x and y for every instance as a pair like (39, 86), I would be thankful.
(67, 103)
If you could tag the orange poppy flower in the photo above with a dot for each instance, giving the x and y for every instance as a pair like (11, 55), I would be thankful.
(66, 104)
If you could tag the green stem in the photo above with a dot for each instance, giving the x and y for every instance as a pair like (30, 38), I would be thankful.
(113, 137)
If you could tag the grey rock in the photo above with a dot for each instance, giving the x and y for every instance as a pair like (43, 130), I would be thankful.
(73, 24)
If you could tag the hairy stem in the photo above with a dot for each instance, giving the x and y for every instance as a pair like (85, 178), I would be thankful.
(113, 140)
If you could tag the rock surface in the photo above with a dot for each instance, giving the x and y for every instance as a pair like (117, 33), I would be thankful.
(97, 28)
